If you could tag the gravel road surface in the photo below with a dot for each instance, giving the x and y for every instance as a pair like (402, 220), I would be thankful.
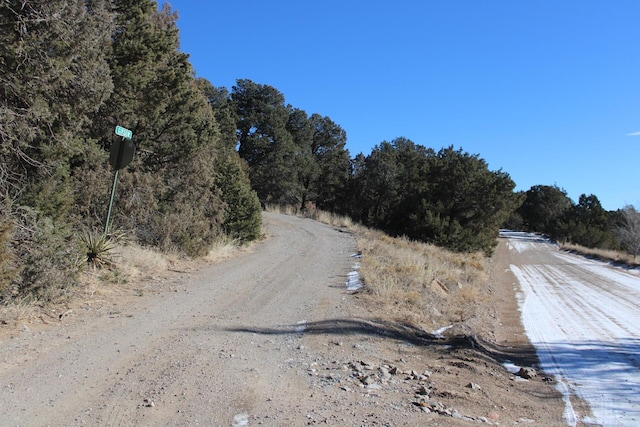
(187, 357)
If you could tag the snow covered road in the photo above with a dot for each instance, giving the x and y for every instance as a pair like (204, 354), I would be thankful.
(583, 317)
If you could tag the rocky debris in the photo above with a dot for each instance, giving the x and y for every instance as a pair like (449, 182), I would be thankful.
(473, 386)
(527, 373)
(370, 377)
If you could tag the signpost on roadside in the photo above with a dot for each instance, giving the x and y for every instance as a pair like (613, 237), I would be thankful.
(120, 155)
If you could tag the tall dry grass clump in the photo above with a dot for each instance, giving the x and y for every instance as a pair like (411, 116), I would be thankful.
(421, 283)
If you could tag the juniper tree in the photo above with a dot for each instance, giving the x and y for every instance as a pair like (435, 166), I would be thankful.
(168, 195)
(264, 141)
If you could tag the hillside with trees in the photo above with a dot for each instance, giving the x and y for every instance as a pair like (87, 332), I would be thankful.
(207, 157)
(71, 71)
(547, 209)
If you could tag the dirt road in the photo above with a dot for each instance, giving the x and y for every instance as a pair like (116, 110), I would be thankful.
(189, 353)
(270, 337)
(582, 316)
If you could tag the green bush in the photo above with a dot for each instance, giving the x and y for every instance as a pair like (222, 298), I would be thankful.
(7, 269)
(242, 215)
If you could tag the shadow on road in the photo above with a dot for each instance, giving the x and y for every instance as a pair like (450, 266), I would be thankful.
(400, 331)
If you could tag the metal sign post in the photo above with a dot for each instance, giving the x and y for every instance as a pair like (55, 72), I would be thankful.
(120, 156)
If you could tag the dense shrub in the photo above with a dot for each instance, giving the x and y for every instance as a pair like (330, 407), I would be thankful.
(49, 256)
(242, 218)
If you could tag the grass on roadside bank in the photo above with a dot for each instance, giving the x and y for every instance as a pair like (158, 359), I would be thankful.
(414, 282)
(130, 271)
(615, 257)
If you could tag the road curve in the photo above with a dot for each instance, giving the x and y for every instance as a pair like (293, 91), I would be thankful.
(583, 318)
(186, 355)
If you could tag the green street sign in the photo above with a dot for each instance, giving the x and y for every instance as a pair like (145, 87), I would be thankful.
(123, 132)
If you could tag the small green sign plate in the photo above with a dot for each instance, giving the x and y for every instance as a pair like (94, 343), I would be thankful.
(123, 132)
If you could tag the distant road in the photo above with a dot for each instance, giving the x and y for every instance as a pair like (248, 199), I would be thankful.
(583, 317)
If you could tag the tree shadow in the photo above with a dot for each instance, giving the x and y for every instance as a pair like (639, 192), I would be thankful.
(607, 371)
(402, 332)
(622, 357)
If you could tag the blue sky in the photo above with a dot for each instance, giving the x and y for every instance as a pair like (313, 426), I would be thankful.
(547, 91)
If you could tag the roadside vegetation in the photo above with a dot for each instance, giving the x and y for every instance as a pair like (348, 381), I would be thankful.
(209, 158)
(616, 257)
(414, 282)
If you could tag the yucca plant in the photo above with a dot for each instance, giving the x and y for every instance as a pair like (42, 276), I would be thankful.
(99, 249)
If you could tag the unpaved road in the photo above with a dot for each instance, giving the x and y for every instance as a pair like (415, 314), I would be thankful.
(191, 352)
(583, 317)
(270, 337)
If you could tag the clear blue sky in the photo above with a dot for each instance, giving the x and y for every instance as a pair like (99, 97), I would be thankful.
(546, 90)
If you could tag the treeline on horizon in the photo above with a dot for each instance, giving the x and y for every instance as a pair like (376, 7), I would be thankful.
(207, 157)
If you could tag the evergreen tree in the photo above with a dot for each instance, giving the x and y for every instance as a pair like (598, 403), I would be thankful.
(53, 76)
(301, 130)
(242, 212)
(468, 202)
(543, 208)
(449, 198)
(220, 102)
(264, 141)
(156, 96)
(586, 224)
(242, 215)
(333, 163)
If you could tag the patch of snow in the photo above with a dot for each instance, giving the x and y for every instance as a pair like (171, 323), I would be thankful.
(511, 367)
(241, 420)
(301, 326)
(353, 279)
(438, 332)
(583, 319)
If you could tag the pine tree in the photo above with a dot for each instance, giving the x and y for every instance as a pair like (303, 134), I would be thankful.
(264, 141)
(53, 76)
(242, 217)
(242, 211)
(155, 95)
(333, 163)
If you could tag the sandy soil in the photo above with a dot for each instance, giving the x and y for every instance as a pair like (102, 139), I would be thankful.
(272, 338)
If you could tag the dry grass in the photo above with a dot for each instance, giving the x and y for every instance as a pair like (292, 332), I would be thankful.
(602, 254)
(135, 270)
(412, 281)
(316, 214)
(421, 283)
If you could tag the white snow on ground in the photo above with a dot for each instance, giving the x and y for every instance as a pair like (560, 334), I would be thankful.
(353, 278)
(438, 332)
(583, 317)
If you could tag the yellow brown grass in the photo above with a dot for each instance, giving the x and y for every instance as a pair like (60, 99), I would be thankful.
(602, 254)
(419, 282)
